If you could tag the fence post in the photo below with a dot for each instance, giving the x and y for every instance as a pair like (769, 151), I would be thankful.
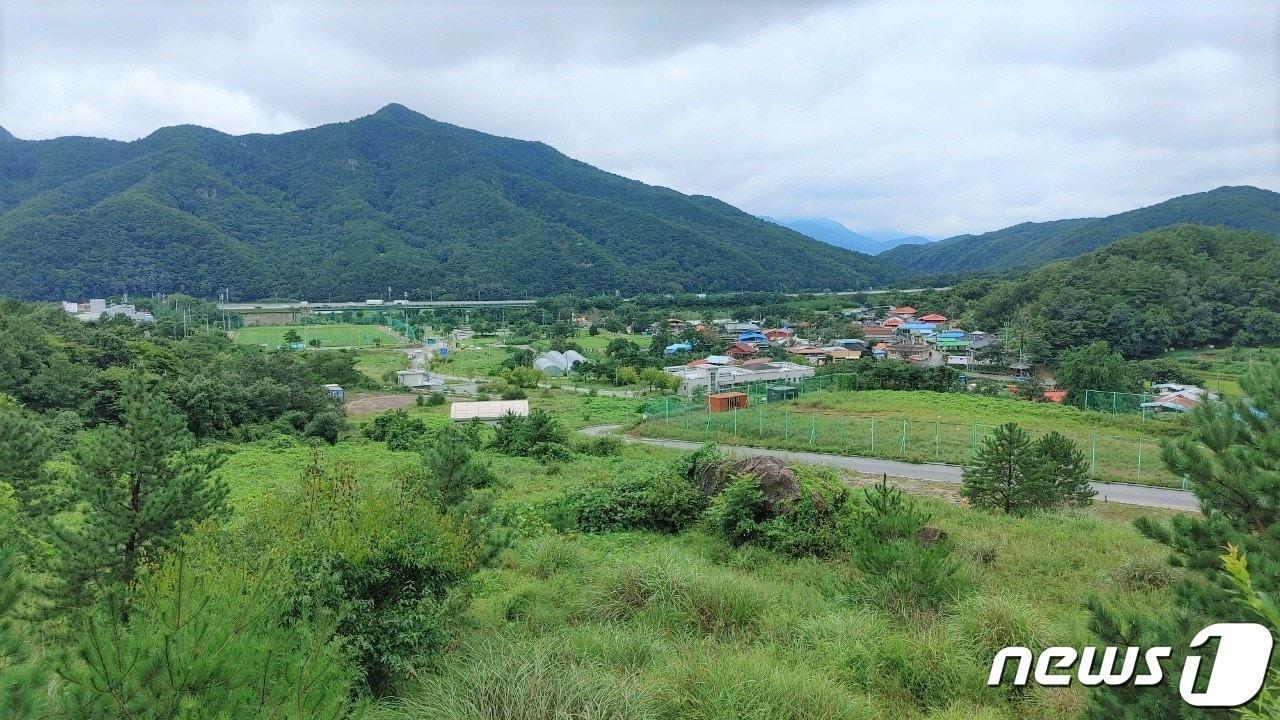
(1113, 403)
(1139, 459)
(786, 425)
(840, 438)
(735, 422)
(903, 444)
(760, 421)
(973, 438)
(1093, 455)
(666, 409)
(813, 427)
(873, 436)
(937, 438)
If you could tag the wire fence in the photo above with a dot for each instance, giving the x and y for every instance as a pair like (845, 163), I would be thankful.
(1114, 458)
(1117, 403)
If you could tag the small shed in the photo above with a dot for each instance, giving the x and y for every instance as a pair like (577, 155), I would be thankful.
(335, 391)
(778, 393)
(487, 411)
(725, 401)
(414, 378)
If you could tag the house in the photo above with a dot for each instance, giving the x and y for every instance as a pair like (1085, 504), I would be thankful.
(717, 360)
(779, 334)
(334, 391)
(741, 350)
(850, 343)
(1177, 397)
(812, 355)
(909, 352)
(906, 311)
(487, 411)
(875, 333)
(753, 337)
(838, 354)
(933, 318)
(891, 323)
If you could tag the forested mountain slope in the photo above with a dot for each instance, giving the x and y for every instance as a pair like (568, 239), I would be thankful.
(393, 199)
(1029, 244)
(1181, 286)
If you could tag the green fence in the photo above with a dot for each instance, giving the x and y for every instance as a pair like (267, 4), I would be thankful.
(1116, 402)
(1111, 457)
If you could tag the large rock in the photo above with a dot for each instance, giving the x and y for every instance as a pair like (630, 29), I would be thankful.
(777, 480)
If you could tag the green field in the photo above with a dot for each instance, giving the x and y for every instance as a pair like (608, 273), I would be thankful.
(378, 363)
(924, 427)
(1222, 367)
(328, 335)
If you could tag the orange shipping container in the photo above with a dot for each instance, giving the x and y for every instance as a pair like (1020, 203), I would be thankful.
(725, 401)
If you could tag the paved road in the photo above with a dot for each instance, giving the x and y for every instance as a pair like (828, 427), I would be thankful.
(1111, 492)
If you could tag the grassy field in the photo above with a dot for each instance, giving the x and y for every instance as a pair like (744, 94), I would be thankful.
(928, 427)
(328, 335)
(642, 625)
(377, 363)
(1222, 367)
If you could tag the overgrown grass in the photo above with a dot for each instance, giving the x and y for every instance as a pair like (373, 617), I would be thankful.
(378, 363)
(643, 625)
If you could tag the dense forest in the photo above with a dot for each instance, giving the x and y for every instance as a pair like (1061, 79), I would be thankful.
(347, 210)
(1030, 244)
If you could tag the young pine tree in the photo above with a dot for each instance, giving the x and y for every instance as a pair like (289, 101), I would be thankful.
(1008, 474)
(139, 487)
(1067, 470)
(1232, 462)
(452, 472)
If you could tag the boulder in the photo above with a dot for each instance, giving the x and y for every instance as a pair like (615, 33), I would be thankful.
(930, 535)
(776, 478)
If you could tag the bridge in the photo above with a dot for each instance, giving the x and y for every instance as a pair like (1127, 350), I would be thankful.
(292, 313)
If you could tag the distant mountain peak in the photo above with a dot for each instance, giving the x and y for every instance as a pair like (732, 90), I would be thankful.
(6, 135)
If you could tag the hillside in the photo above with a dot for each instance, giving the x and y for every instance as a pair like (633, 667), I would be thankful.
(1030, 244)
(1181, 286)
(347, 210)
(835, 233)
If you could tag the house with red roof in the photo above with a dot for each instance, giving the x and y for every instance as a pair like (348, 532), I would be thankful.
(893, 322)
(906, 311)
(741, 350)
(933, 318)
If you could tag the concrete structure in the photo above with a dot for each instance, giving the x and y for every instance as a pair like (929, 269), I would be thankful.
(419, 379)
(487, 411)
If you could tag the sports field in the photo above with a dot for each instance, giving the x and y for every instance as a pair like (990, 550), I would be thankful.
(328, 335)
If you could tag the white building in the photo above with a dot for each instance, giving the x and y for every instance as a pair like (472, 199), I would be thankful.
(487, 411)
(97, 309)
(721, 377)
(419, 379)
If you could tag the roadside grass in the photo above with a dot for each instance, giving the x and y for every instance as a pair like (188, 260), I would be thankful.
(926, 427)
(328, 335)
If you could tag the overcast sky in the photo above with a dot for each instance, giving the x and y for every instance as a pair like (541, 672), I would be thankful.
(934, 118)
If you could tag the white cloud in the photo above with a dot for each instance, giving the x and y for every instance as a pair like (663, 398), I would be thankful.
(930, 117)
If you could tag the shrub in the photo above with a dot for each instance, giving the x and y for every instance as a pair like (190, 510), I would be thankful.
(516, 435)
(665, 503)
(739, 511)
(436, 399)
(327, 426)
(600, 446)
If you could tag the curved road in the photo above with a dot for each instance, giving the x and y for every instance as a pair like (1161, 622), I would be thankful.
(1144, 495)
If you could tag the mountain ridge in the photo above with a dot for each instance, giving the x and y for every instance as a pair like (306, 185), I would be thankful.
(392, 198)
(1031, 244)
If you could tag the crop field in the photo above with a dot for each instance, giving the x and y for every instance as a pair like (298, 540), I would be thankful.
(925, 427)
(328, 335)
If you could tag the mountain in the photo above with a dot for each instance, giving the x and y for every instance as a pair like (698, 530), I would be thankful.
(1030, 244)
(1179, 286)
(394, 199)
(833, 232)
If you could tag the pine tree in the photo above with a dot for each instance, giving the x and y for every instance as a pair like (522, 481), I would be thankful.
(1008, 473)
(139, 487)
(20, 675)
(1067, 470)
(24, 448)
(452, 470)
(1232, 462)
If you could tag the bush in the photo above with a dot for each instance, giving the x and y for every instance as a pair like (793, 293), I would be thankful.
(327, 425)
(665, 503)
(436, 399)
(600, 446)
(516, 435)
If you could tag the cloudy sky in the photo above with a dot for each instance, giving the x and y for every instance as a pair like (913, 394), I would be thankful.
(934, 118)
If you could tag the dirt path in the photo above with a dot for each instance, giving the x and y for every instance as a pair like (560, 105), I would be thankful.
(369, 404)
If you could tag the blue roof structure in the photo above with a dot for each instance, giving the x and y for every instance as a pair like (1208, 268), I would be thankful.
(674, 348)
(918, 326)
(753, 336)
